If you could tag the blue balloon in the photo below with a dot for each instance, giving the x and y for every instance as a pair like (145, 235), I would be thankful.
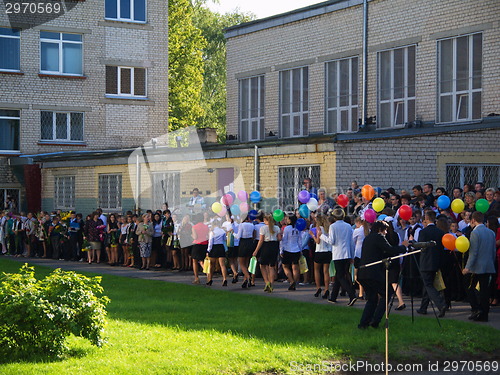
(252, 214)
(301, 224)
(304, 211)
(233, 195)
(382, 217)
(314, 196)
(443, 202)
(378, 191)
(255, 197)
(235, 209)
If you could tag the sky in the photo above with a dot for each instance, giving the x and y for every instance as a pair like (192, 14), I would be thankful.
(261, 8)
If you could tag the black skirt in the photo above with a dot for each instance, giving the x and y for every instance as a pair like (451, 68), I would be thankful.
(323, 257)
(218, 251)
(269, 253)
(246, 248)
(232, 252)
(199, 251)
(291, 258)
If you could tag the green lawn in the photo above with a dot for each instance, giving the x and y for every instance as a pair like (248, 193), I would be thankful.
(162, 328)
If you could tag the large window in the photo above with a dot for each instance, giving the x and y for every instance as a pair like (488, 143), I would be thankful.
(294, 100)
(460, 78)
(342, 96)
(126, 10)
(166, 188)
(61, 53)
(64, 192)
(9, 129)
(290, 181)
(62, 126)
(110, 191)
(125, 81)
(252, 109)
(396, 87)
(457, 175)
(10, 49)
(10, 199)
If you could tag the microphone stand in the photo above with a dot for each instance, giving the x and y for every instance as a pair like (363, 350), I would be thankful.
(387, 262)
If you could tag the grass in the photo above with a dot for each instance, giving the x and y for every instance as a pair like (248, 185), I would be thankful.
(162, 328)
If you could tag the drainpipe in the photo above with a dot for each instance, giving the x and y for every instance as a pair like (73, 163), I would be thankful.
(137, 184)
(256, 171)
(365, 63)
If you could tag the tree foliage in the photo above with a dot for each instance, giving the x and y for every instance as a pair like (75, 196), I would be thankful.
(185, 66)
(36, 316)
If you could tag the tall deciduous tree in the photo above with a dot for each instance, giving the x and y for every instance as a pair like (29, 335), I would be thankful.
(185, 66)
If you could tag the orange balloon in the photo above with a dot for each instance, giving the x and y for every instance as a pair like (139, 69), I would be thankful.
(368, 192)
(449, 241)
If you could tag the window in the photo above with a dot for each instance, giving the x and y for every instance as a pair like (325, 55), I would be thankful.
(10, 199)
(460, 78)
(10, 57)
(64, 192)
(126, 10)
(9, 129)
(342, 96)
(61, 53)
(110, 191)
(62, 126)
(459, 175)
(166, 188)
(294, 108)
(125, 81)
(290, 183)
(252, 109)
(396, 87)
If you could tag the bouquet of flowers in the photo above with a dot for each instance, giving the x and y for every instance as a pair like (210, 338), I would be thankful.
(101, 229)
(86, 245)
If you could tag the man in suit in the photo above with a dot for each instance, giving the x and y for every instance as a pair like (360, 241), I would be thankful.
(375, 248)
(430, 262)
(481, 264)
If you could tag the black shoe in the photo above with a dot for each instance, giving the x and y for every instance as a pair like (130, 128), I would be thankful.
(442, 312)
(352, 301)
(481, 318)
(209, 283)
(474, 315)
(332, 300)
(374, 325)
(318, 292)
(363, 326)
(235, 280)
(292, 286)
(326, 294)
(251, 285)
(401, 307)
(421, 312)
(224, 283)
(245, 284)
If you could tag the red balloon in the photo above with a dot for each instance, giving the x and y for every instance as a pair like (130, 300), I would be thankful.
(449, 241)
(342, 200)
(405, 212)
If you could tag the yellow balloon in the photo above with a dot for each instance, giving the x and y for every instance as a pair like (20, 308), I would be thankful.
(378, 204)
(457, 205)
(462, 244)
(216, 207)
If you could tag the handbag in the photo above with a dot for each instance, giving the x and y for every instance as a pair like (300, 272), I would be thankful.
(253, 265)
(230, 240)
(439, 282)
(331, 269)
(206, 265)
(169, 241)
(303, 264)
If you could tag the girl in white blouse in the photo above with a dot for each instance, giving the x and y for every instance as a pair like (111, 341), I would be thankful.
(217, 251)
(269, 237)
(322, 255)
(291, 250)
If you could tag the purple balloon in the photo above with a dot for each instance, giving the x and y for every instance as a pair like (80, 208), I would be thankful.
(243, 195)
(313, 230)
(370, 215)
(233, 195)
(304, 196)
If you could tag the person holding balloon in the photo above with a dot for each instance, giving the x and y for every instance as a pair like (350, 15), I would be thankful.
(291, 251)
(268, 245)
(217, 251)
(231, 227)
(245, 235)
(322, 255)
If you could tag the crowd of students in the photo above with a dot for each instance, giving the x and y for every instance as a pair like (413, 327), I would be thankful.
(331, 242)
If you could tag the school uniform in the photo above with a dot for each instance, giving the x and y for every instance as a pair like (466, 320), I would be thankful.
(245, 236)
(291, 245)
(270, 248)
(216, 243)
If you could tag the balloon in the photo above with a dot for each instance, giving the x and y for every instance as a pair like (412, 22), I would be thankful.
(443, 202)
(370, 215)
(232, 196)
(312, 204)
(227, 200)
(255, 197)
(253, 214)
(235, 209)
(462, 244)
(304, 196)
(304, 211)
(378, 191)
(301, 224)
(342, 200)
(382, 217)
(242, 195)
(405, 212)
(216, 207)
(314, 196)
(278, 215)
(482, 205)
(368, 192)
(449, 241)
(222, 212)
(457, 206)
(378, 204)
(314, 230)
(244, 207)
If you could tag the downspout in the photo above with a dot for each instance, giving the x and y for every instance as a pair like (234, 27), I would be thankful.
(364, 99)
(137, 184)
(256, 168)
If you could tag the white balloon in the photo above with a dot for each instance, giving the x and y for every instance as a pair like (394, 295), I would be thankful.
(312, 204)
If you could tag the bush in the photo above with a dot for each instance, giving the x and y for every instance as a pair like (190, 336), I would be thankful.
(36, 316)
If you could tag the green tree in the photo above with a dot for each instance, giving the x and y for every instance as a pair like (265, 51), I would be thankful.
(213, 95)
(185, 66)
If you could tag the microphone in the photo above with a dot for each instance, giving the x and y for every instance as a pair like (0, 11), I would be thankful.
(422, 245)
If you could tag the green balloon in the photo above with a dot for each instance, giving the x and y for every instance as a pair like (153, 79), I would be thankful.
(278, 215)
(482, 205)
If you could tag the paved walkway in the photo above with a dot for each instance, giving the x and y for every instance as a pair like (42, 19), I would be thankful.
(459, 311)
